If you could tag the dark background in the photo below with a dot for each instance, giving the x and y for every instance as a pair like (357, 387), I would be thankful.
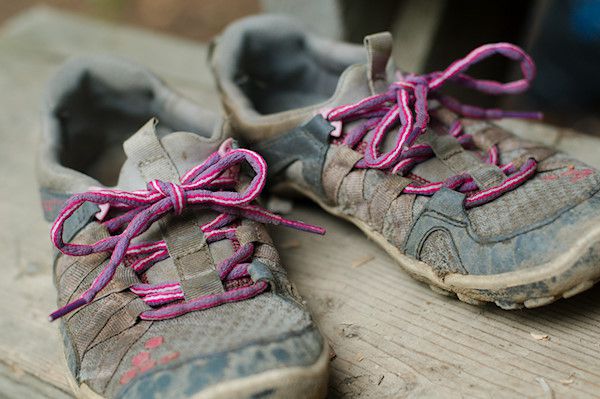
(563, 36)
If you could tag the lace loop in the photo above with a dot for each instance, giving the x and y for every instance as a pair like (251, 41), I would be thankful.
(174, 192)
(405, 104)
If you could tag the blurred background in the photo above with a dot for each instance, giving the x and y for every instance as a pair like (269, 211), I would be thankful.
(562, 35)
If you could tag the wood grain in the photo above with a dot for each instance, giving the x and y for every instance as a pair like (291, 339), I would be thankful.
(392, 337)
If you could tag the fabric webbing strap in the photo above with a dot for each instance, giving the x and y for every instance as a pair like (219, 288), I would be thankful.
(448, 150)
(186, 244)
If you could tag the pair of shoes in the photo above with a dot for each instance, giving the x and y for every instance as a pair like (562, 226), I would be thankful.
(168, 282)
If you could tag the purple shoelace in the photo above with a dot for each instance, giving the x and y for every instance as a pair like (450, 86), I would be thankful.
(405, 104)
(206, 186)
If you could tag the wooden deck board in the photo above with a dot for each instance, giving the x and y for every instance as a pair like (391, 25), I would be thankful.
(392, 336)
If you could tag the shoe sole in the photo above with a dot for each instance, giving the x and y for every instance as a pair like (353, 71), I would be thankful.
(290, 382)
(567, 275)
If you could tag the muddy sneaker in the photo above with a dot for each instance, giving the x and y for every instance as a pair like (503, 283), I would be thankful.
(168, 283)
(459, 202)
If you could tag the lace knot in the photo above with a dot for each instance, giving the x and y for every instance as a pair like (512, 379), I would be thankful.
(175, 192)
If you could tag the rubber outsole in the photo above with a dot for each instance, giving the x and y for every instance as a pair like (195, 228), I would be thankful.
(563, 277)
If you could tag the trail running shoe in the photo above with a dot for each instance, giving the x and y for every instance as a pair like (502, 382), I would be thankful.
(456, 200)
(168, 283)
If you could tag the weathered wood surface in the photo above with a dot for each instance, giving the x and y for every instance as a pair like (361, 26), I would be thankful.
(392, 336)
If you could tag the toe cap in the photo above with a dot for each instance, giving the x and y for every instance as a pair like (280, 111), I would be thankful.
(190, 376)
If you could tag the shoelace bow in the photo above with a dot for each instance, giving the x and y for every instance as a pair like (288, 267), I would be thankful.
(405, 103)
(203, 186)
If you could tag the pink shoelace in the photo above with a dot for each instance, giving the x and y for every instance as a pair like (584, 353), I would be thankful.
(405, 103)
(206, 186)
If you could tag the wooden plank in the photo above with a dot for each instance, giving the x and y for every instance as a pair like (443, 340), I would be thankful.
(392, 336)
(15, 383)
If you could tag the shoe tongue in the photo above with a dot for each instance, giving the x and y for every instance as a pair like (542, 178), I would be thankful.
(363, 80)
(379, 62)
(184, 150)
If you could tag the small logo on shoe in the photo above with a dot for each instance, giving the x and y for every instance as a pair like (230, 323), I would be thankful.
(143, 361)
(574, 175)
